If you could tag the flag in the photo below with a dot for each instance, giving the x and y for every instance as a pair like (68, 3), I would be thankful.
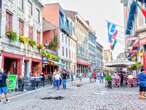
(114, 43)
(131, 18)
(111, 31)
(112, 34)
(143, 10)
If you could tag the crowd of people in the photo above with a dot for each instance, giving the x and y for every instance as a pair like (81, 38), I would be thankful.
(60, 76)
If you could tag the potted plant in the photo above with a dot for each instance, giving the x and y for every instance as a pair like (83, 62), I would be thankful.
(12, 36)
(32, 43)
(23, 39)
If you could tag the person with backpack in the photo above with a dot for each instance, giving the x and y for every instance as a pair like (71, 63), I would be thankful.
(3, 85)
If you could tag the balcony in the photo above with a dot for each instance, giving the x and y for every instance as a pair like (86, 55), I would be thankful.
(17, 47)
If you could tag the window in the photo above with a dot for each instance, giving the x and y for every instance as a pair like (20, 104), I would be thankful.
(8, 21)
(62, 51)
(69, 54)
(38, 37)
(0, 3)
(20, 4)
(66, 52)
(66, 39)
(69, 42)
(62, 38)
(29, 8)
(31, 32)
(21, 27)
(38, 15)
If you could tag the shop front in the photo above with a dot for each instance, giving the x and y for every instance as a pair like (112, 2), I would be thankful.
(36, 67)
(11, 63)
(48, 66)
(82, 66)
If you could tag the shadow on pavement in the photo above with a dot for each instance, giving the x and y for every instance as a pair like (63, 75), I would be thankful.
(55, 98)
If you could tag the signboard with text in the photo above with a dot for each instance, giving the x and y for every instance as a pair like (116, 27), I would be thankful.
(12, 82)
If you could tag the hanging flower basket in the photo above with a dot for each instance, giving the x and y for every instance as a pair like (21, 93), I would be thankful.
(23, 39)
(32, 43)
(43, 53)
(40, 46)
(12, 36)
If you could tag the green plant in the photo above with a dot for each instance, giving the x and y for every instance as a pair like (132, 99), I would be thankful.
(24, 39)
(54, 43)
(40, 46)
(32, 43)
(50, 45)
(43, 53)
(12, 36)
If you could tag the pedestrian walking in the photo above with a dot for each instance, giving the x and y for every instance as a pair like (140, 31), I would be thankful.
(57, 79)
(142, 84)
(90, 76)
(122, 79)
(43, 79)
(21, 83)
(64, 79)
(3, 85)
(101, 77)
(94, 76)
(80, 76)
(108, 78)
(72, 77)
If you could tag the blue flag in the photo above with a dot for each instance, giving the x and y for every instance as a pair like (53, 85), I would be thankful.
(111, 30)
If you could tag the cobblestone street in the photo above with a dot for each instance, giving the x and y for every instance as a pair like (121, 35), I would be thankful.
(90, 96)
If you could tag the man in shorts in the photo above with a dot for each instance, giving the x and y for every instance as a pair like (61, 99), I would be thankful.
(3, 85)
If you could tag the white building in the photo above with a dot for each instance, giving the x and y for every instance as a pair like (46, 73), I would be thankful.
(25, 18)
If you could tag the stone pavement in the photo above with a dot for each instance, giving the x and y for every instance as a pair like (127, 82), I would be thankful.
(89, 96)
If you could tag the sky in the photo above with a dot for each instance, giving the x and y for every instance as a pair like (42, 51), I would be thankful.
(98, 12)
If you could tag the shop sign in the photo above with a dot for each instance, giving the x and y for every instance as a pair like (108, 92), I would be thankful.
(12, 82)
(44, 60)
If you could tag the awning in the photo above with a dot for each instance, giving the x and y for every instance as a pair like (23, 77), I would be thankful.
(119, 63)
(82, 62)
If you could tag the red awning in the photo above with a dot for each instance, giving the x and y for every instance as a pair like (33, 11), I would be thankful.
(82, 62)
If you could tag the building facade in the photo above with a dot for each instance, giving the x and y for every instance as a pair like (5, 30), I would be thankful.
(92, 50)
(66, 49)
(136, 40)
(99, 56)
(81, 32)
(23, 18)
(107, 56)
